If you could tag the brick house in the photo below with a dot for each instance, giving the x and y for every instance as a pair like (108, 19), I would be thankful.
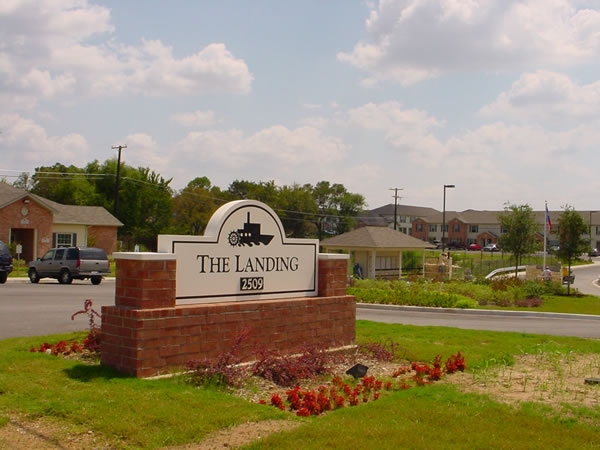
(466, 227)
(39, 224)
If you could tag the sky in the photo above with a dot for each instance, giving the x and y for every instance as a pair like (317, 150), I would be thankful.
(500, 98)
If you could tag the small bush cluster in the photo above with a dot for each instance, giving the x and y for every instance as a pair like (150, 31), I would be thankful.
(90, 344)
(338, 394)
(287, 370)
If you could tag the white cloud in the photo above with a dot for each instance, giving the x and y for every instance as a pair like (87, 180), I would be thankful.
(546, 95)
(274, 145)
(194, 119)
(23, 140)
(66, 47)
(408, 130)
(410, 41)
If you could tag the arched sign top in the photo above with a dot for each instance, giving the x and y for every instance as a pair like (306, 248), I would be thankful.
(245, 222)
(243, 255)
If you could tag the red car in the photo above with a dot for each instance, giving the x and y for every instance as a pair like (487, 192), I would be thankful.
(474, 246)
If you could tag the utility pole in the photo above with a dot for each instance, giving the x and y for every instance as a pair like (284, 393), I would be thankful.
(116, 205)
(396, 205)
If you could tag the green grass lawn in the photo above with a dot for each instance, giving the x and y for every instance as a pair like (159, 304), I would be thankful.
(133, 413)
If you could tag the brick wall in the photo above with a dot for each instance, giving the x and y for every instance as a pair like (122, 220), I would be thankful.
(104, 238)
(146, 333)
(37, 218)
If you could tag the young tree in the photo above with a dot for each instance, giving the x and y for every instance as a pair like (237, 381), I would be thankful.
(571, 229)
(520, 226)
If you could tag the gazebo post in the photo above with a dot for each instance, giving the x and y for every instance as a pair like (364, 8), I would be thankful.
(400, 264)
(372, 259)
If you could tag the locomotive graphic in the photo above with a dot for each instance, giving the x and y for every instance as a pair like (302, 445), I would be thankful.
(249, 235)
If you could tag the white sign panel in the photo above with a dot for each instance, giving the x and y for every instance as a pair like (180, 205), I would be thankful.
(243, 255)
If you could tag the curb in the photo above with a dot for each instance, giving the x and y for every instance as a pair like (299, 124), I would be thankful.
(480, 312)
(26, 279)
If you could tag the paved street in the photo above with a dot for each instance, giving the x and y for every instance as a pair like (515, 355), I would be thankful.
(46, 308)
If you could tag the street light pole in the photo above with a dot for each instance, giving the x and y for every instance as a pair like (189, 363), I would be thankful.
(591, 245)
(116, 203)
(446, 186)
(396, 206)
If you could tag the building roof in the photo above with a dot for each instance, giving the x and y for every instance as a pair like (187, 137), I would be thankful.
(62, 214)
(402, 210)
(83, 215)
(467, 216)
(375, 237)
(384, 215)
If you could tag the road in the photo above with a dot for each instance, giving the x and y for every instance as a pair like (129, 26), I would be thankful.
(46, 308)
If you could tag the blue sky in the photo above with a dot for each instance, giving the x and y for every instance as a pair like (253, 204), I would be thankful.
(498, 97)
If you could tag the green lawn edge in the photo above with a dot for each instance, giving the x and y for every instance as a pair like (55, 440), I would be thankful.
(134, 413)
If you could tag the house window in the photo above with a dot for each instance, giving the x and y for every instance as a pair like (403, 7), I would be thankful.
(403, 219)
(64, 239)
(419, 227)
(445, 228)
(433, 228)
(456, 227)
(473, 228)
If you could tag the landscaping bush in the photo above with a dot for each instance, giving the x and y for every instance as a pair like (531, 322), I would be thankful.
(502, 292)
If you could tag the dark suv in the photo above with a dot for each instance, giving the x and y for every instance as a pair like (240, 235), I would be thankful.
(70, 263)
(6, 265)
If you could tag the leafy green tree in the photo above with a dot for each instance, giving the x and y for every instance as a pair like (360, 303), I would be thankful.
(264, 191)
(571, 229)
(67, 185)
(337, 207)
(194, 205)
(296, 208)
(519, 223)
(145, 206)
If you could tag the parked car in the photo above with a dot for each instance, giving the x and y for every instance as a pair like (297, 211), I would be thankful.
(474, 246)
(6, 265)
(70, 263)
(594, 252)
(490, 248)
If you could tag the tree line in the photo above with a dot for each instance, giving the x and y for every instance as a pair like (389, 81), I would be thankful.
(148, 205)
(520, 230)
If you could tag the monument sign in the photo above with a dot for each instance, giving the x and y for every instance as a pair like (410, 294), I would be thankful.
(243, 255)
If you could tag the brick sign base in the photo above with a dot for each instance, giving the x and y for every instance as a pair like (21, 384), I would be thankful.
(146, 334)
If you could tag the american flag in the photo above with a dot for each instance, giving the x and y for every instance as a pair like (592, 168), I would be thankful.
(548, 221)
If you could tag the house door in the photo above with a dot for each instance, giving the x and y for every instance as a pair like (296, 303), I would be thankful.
(25, 237)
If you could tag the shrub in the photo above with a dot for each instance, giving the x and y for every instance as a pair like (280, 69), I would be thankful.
(466, 303)
(286, 370)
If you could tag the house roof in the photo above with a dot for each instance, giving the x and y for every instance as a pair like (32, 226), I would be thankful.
(83, 215)
(375, 237)
(62, 214)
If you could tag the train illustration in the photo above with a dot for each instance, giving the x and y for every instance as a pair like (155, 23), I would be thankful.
(249, 235)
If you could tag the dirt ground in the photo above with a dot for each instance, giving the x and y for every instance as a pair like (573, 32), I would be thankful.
(550, 379)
